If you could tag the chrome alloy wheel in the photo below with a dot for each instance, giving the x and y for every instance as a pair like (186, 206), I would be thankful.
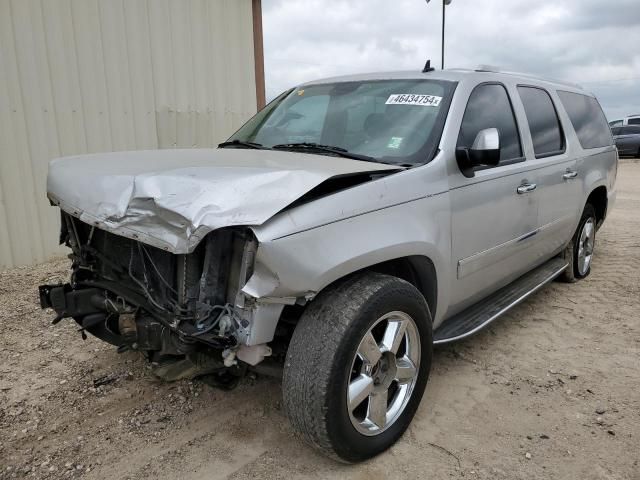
(586, 245)
(384, 372)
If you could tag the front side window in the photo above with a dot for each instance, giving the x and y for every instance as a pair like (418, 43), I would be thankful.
(489, 107)
(543, 121)
(587, 118)
(391, 121)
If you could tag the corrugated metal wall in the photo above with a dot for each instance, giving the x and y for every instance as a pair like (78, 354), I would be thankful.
(80, 76)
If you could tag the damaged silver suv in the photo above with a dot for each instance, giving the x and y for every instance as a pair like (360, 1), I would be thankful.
(348, 227)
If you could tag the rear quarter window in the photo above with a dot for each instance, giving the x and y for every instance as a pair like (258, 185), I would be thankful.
(587, 118)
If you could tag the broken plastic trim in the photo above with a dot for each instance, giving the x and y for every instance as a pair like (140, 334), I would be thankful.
(339, 183)
(185, 331)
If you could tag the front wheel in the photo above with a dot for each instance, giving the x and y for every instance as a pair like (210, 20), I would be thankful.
(579, 253)
(357, 366)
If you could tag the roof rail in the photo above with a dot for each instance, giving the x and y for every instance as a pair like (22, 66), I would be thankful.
(488, 68)
(494, 69)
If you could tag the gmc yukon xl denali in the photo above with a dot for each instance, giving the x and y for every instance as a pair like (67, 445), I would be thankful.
(344, 230)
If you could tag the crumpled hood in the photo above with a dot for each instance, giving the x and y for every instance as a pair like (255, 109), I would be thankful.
(172, 198)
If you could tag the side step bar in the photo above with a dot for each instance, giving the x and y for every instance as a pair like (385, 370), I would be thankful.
(478, 316)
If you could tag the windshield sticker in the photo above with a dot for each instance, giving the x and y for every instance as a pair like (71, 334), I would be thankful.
(395, 142)
(411, 99)
(300, 93)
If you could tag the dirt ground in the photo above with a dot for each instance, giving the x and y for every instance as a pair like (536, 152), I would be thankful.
(552, 390)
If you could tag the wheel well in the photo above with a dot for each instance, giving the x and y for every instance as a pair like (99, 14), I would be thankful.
(598, 198)
(418, 271)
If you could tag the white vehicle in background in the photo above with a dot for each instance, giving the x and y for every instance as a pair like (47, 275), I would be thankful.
(630, 120)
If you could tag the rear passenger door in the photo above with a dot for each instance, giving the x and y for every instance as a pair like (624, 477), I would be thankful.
(558, 183)
(495, 212)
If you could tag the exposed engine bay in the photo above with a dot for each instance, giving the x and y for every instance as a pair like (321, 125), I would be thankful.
(165, 256)
(186, 313)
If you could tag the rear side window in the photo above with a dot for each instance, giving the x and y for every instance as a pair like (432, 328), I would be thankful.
(489, 107)
(587, 118)
(543, 121)
(633, 121)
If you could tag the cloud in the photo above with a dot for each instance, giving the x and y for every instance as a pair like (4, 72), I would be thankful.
(590, 42)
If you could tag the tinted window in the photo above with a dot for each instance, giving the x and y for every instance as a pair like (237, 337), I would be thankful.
(616, 131)
(634, 121)
(543, 121)
(489, 107)
(634, 130)
(587, 118)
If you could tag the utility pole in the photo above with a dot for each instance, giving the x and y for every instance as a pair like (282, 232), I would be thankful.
(444, 8)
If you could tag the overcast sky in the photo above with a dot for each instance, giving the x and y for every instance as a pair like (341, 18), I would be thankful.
(592, 42)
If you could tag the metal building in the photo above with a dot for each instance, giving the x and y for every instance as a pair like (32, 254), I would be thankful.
(82, 76)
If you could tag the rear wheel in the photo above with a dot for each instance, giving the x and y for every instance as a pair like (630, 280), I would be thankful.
(579, 253)
(357, 366)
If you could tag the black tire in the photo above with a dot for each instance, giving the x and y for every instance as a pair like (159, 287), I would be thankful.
(321, 355)
(572, 273)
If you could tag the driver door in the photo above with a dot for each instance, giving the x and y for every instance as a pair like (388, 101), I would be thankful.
(494, 214)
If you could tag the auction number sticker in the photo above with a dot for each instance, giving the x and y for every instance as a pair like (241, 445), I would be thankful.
(411, 99)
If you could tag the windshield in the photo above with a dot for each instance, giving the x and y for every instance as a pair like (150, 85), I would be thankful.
(391, 121)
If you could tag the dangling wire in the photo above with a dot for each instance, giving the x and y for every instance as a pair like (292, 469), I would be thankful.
(141, 285)
(207, 324)
(162, 279)
(173, 303)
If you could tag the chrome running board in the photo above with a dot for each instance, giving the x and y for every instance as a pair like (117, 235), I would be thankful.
(478, 316)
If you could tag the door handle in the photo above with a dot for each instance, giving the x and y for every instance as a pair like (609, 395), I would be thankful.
(570, 174)
(526, 188)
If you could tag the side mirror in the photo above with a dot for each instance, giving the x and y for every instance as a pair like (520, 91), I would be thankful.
(485, 151)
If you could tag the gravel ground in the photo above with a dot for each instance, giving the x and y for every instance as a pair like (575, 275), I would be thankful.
(552, 390)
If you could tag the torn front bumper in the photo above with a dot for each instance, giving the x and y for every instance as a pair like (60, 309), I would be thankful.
(114, 319)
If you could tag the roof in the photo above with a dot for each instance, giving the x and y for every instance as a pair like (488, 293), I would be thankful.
(482, 73)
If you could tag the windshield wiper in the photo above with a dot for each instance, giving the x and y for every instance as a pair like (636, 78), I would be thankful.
(342, 152)
(242, 143)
